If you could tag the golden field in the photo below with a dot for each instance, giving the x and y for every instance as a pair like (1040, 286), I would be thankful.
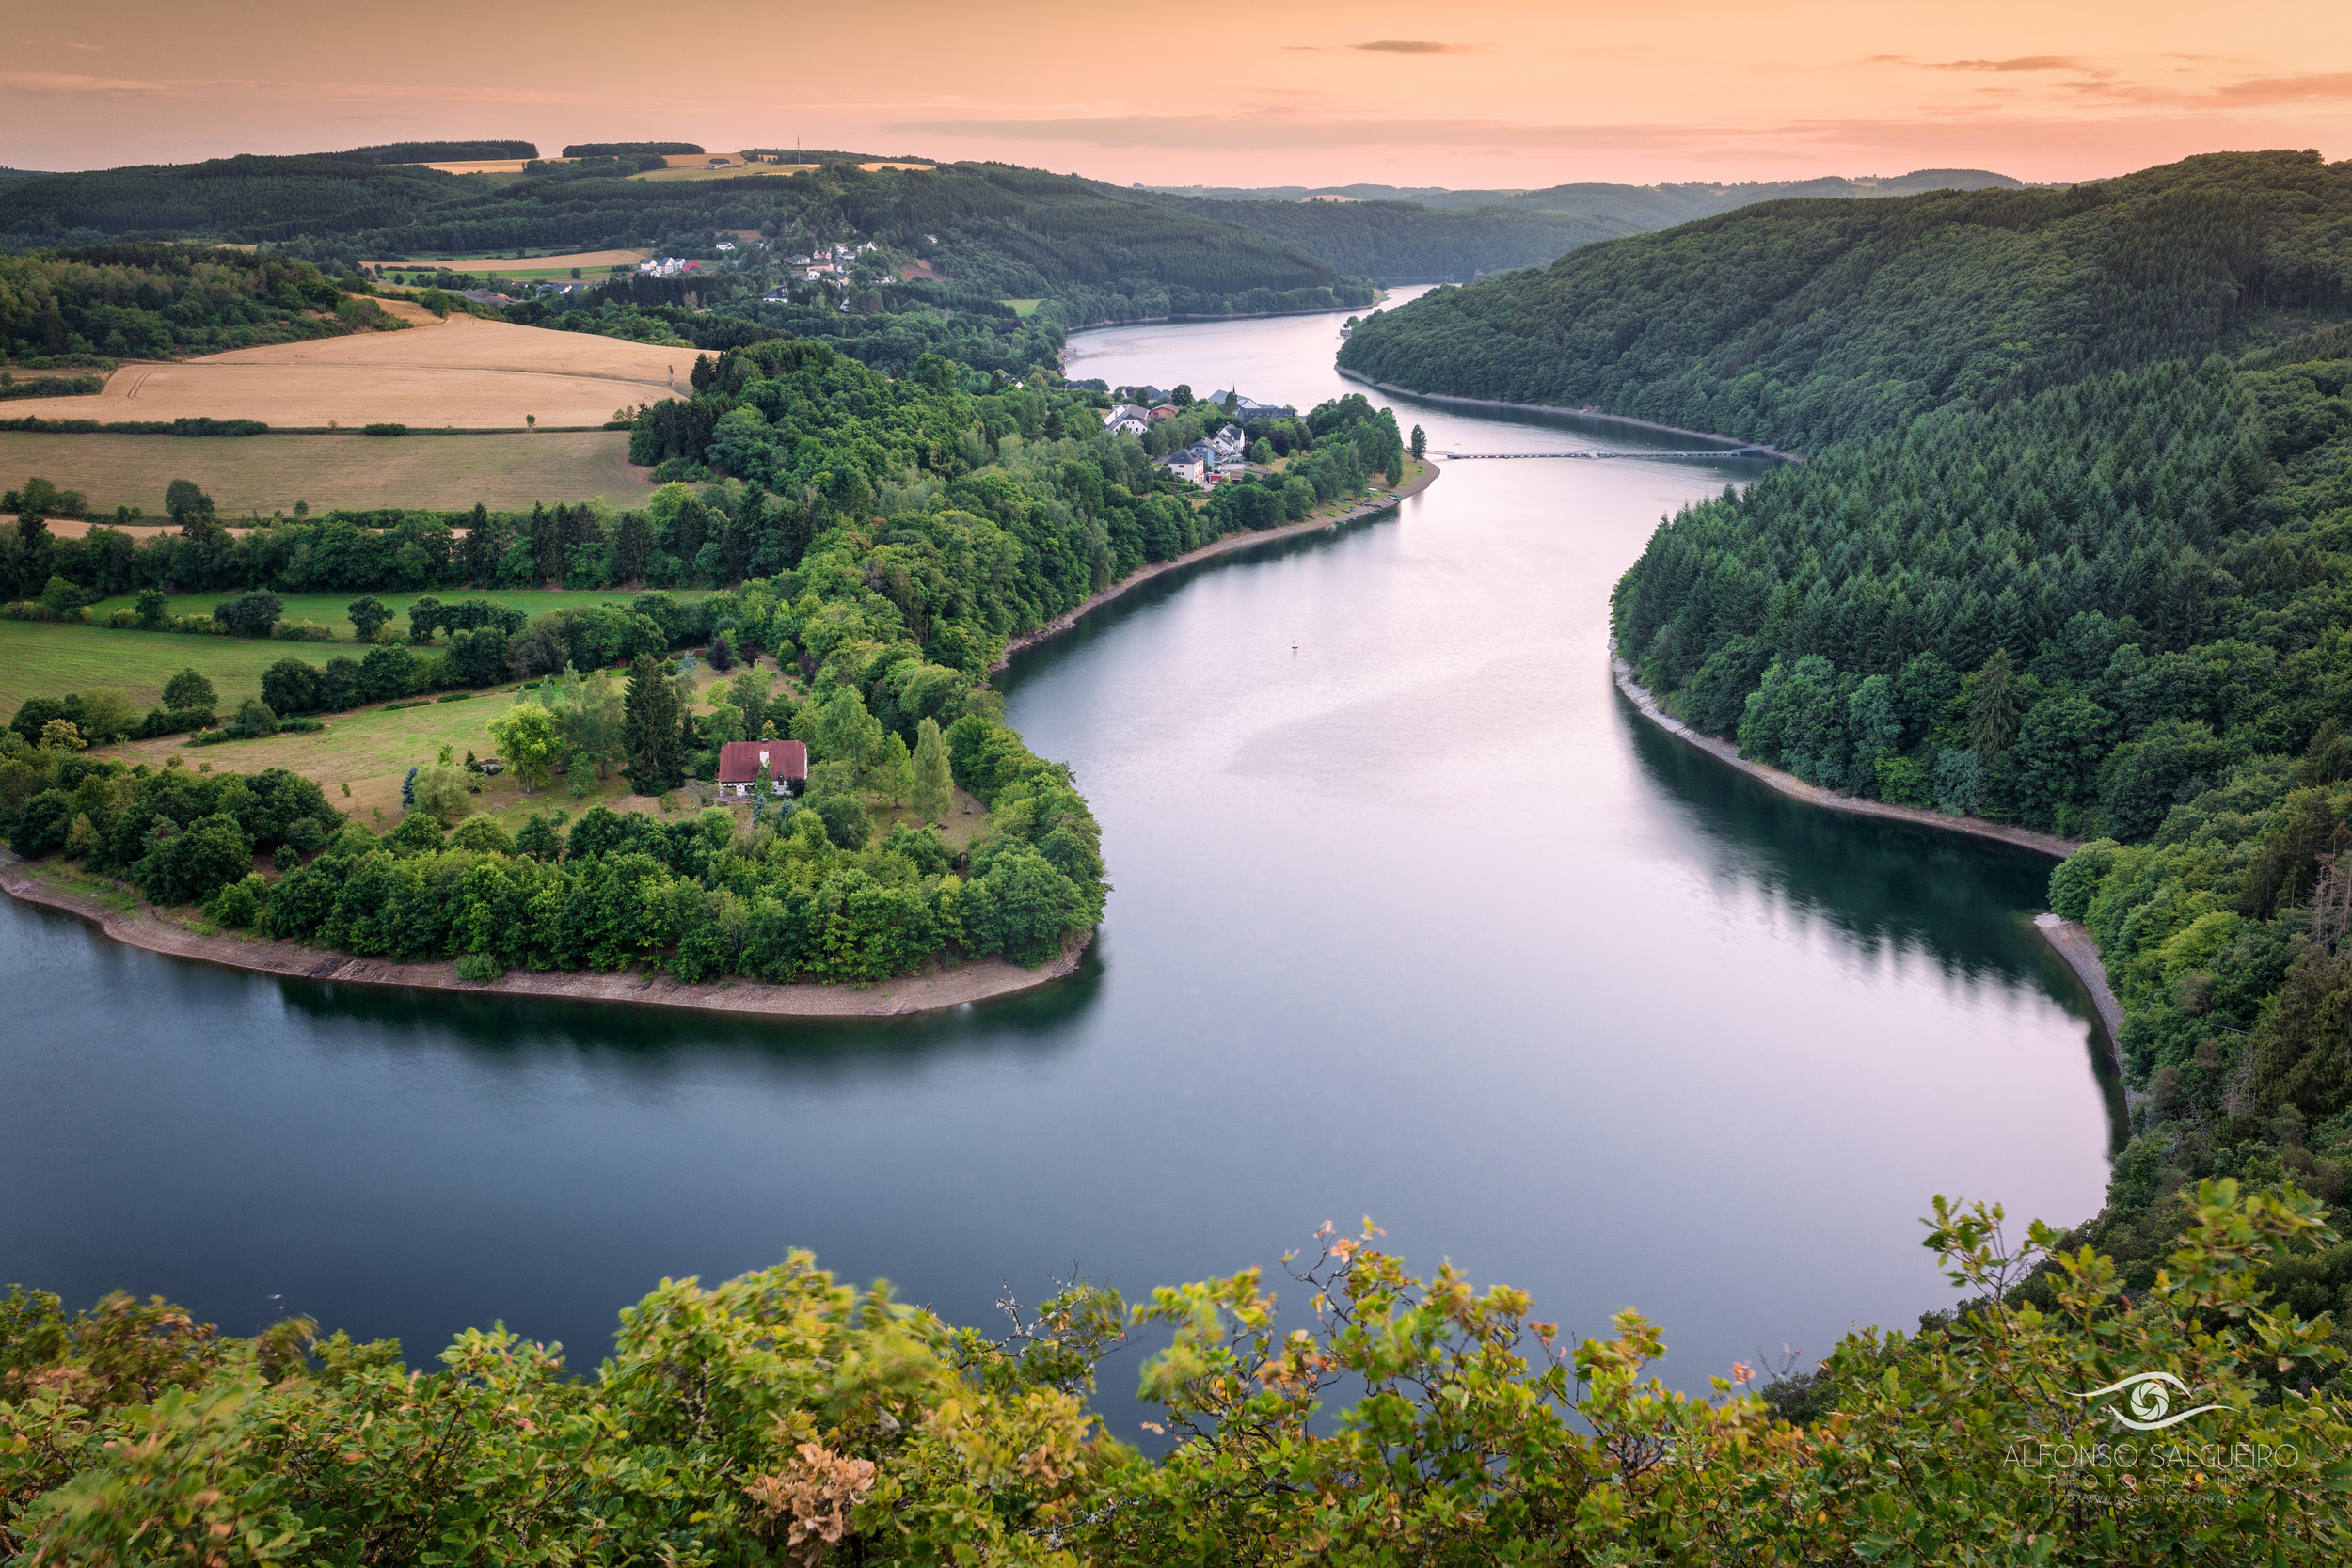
(585, 261)
(463, 371)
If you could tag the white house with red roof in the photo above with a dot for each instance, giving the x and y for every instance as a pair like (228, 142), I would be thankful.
(741, 761)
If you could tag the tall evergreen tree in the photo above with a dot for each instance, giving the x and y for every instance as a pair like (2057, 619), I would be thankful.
(650, 730)
(934, 786)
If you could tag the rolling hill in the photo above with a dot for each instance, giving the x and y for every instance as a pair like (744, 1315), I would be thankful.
(1802, 322)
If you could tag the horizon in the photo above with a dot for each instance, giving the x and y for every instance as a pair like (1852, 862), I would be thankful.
(1469, 98)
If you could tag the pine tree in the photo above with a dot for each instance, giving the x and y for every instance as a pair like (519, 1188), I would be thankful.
(934, 790)
(650, 730)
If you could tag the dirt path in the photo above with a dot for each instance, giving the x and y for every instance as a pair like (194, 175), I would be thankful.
(1371, 507)
(143, 925)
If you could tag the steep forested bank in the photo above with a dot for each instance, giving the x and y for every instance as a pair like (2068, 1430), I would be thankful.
(1404, 241)
(1802, 323)
(2118, 607)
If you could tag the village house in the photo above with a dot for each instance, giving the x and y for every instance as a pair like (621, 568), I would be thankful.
(1187, 463)
(1165, 411)
(739, 762)
(1127, 420)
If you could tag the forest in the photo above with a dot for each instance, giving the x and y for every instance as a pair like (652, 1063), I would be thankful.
(2107, 592)
(881, 538)
(152, 301)
(1801, 322)
(1402, 242)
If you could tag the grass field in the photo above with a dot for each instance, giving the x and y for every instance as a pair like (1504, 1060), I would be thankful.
(462, 372)
(38, 660)
(1021, 308)
(44, 660)
(269, 473)
(328, 608)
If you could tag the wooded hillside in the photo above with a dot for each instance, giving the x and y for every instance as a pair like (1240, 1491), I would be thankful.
(2053, 560)
(1801, 323)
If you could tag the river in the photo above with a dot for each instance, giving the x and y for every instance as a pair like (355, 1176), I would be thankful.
(1416, 920)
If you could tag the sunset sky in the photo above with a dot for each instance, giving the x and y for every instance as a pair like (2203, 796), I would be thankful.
(1490, 94)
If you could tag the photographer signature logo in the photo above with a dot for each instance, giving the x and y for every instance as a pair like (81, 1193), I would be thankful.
(2148, 1398)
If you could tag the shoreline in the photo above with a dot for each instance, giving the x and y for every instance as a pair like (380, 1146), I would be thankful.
(1449, 400)
(1229, 542)
(2078, 950)
(146, 927)
(1814, 795)
(2071, 941)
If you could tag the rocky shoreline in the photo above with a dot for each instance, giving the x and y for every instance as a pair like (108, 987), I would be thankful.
(145, 927)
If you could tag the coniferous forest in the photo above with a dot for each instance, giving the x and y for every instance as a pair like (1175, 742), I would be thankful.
(2069, 547)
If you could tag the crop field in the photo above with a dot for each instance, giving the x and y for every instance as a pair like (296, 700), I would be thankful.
(587, 260)
(263, 475)
(328, 608)
(463, 373)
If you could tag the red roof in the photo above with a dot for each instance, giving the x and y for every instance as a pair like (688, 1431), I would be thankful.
(740, 760)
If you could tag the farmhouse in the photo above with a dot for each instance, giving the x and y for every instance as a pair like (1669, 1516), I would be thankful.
(739, 762)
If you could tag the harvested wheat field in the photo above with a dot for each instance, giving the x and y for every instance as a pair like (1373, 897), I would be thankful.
(583, 260)
(269, 473)
(463, 371)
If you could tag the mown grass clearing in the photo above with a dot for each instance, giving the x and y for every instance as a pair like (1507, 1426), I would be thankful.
(250, 474)
(371, 749)
(328, 608)
(45, 659)
(1023, 309)
(40, 659)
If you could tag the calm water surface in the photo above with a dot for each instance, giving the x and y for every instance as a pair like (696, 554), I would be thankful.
(1416, 922)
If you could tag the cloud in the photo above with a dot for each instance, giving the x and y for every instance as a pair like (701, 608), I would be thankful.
(65, 84)
(88, 48)
(1232, 133)
(2023, 62)
(1412, 46)
(2284, 90)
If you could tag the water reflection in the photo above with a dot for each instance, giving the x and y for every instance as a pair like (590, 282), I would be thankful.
(1415, 922)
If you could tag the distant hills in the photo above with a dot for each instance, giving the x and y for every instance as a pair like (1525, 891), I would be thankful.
(1637, 208)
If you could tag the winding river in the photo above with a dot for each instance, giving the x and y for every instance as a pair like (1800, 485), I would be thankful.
(1418, 921)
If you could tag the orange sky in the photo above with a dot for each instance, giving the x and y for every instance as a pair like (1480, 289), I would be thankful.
(1463, 95)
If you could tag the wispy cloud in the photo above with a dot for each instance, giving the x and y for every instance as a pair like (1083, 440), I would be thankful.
(68, 85)
(2023, 62)
(1227, 133)
(1412, 46)
(2285, 90)
(87, 48)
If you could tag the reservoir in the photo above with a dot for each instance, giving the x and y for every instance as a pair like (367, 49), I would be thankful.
(1414, 920)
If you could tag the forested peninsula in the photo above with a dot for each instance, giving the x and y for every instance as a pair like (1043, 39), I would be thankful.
(2072, 549)
(877, 540)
